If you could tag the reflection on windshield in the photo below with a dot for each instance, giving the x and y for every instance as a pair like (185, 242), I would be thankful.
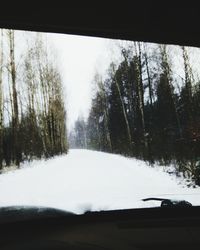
(133, 122)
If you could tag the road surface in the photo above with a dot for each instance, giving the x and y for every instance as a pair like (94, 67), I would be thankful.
(89, 180)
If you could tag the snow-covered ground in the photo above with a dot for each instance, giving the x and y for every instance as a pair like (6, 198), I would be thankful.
(89, 180)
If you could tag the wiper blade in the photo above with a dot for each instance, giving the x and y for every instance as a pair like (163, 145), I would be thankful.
(169, 202)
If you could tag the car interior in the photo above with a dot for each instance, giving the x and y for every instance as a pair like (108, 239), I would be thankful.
(170, 226)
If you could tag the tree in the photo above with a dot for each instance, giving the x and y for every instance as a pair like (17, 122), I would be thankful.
(15, 115)
(105, 111)
(33, 109)
(1, 101)
(80, 134)
(187, 89)
(140, 90)
(117, 81)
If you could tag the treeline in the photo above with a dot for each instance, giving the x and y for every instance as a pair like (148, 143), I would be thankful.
(32, 112)
(145, 109)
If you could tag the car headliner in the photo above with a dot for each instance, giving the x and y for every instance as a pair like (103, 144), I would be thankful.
(141, 21)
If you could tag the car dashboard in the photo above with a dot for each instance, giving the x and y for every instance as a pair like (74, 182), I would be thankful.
(151, 228)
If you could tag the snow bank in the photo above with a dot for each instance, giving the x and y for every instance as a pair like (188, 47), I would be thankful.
(89, 180)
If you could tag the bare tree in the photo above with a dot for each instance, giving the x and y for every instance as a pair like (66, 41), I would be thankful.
(123, 107)
(188, 82)
(140, 89)
(166, 69)
(15, 118)
(1, 100)
(104, 98)
(148, 75)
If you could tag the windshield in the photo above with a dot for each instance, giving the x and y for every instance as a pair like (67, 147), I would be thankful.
(89, 124)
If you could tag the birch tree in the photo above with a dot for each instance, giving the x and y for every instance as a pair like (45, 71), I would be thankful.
(15, 116)
(123, 106)
(1, 100)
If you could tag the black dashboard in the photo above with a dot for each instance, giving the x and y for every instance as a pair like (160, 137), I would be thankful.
(151, 228)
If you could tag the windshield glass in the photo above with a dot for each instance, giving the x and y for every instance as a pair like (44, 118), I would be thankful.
(97, 124)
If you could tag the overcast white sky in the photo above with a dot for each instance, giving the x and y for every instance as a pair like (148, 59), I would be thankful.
(79, 58)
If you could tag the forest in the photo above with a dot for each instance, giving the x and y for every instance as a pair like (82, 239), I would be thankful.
(147, 107)
(32, 110)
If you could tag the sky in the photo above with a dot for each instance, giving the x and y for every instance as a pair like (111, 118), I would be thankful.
(79, 58)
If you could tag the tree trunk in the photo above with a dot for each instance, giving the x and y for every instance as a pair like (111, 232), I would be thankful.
(148, 76)
(103, 95)
(188, 84)
(124, 112)
(140, 92)
(1, 101)
(167, 70)
(15, 118)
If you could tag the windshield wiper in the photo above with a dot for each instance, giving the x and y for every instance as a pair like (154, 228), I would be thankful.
(170, 202)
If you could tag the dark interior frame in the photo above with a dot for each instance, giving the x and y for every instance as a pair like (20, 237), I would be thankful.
(151, 21)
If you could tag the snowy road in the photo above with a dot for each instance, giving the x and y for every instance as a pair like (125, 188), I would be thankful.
(89, 180)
